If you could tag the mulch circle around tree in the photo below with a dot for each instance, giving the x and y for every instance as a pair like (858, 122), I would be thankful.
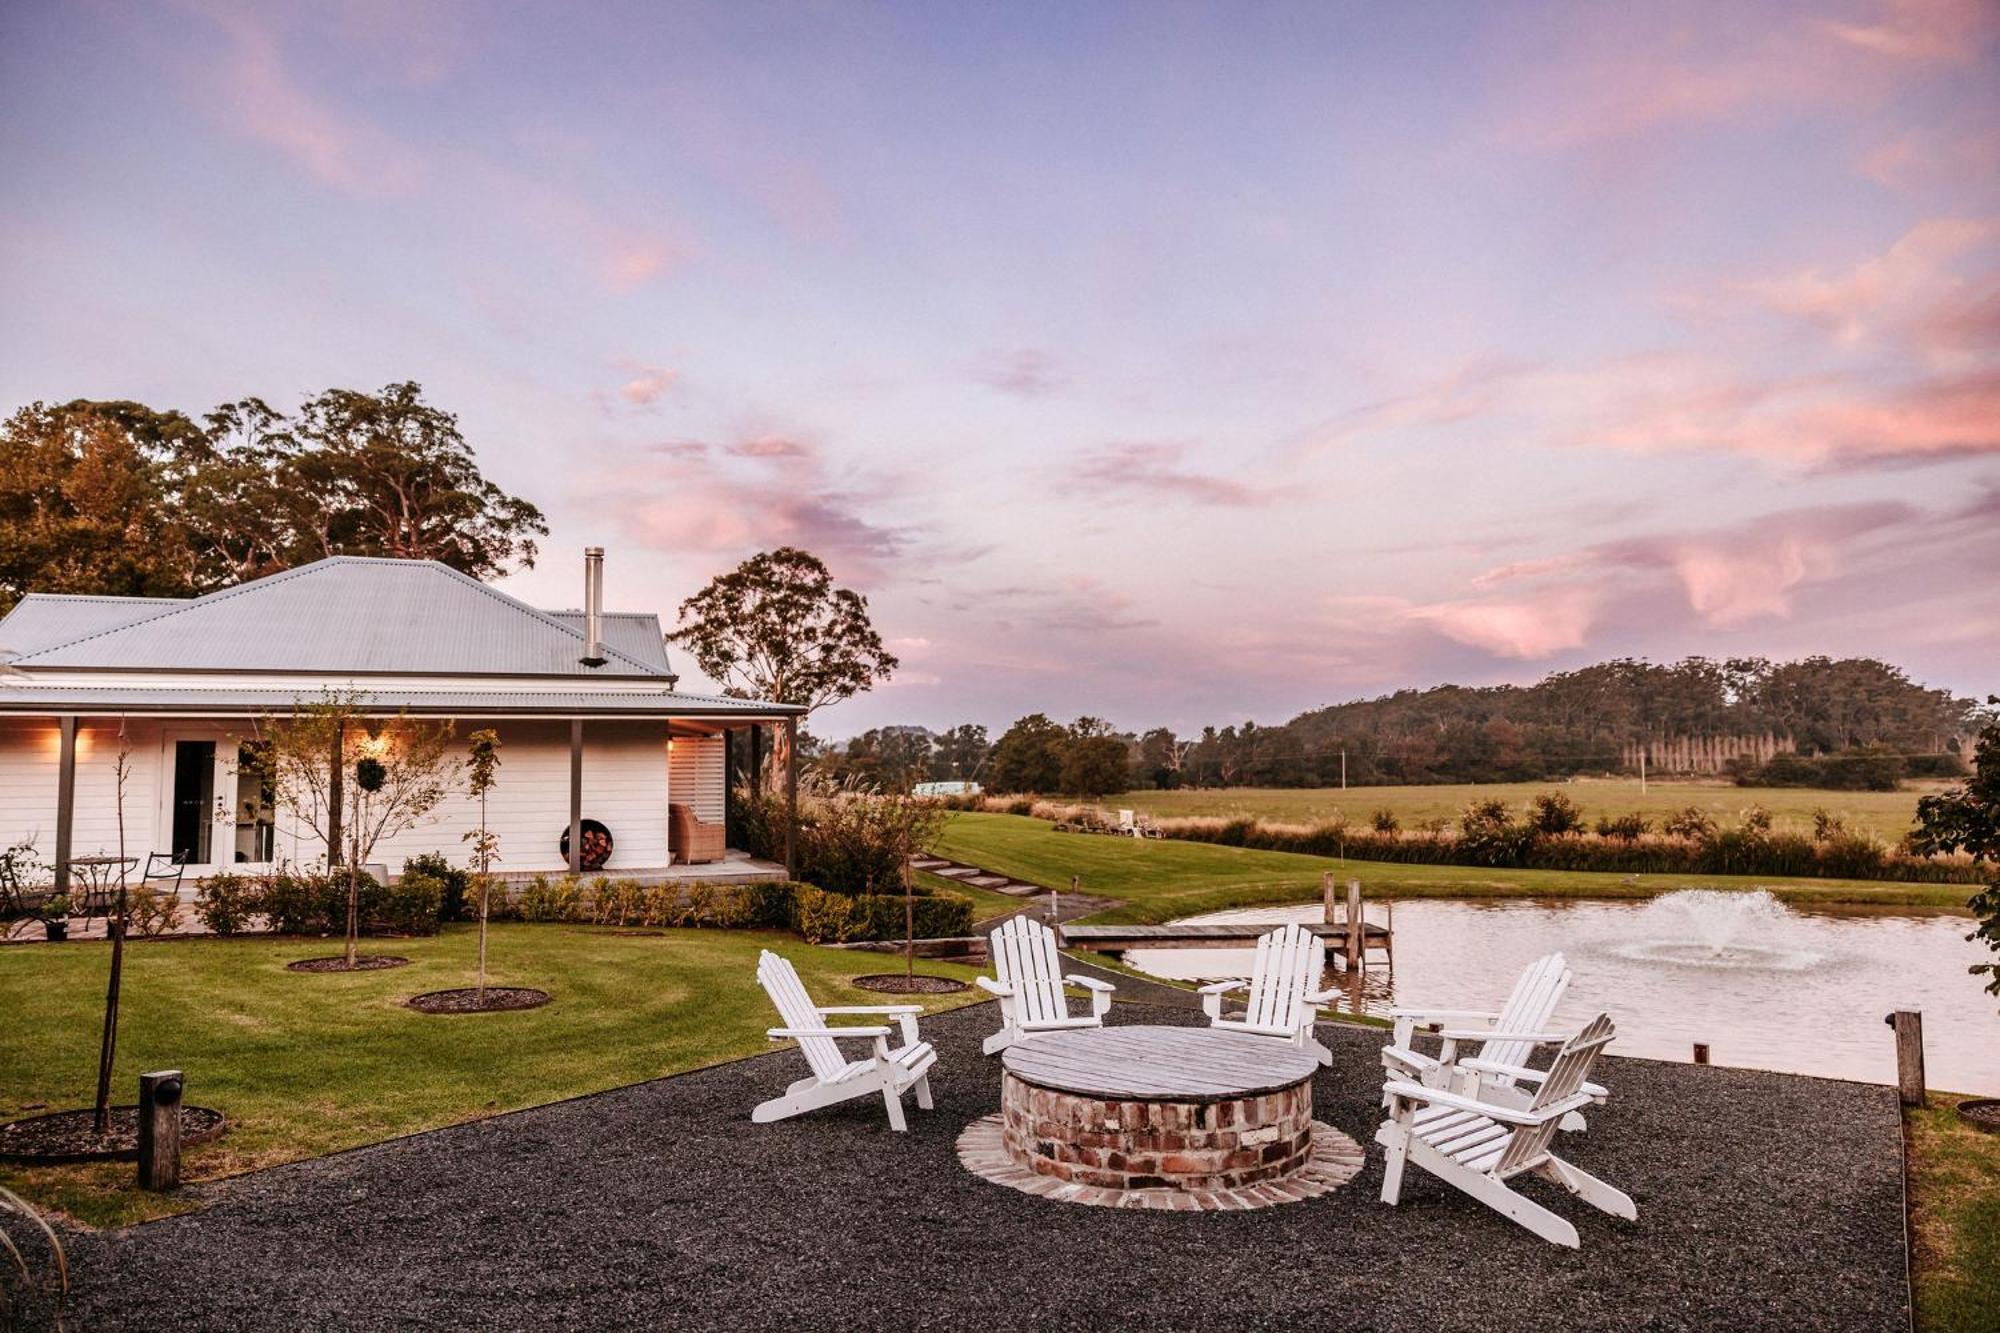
(1981, 1113)
(465, 1000)
(895, 983)
(366, 962)
(67, 1136)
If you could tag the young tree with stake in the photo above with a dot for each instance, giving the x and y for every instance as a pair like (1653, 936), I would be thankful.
(482, 765)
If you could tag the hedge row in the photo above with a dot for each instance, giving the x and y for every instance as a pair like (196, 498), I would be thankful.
(304, 902)
(822, 916)
(1739, 851)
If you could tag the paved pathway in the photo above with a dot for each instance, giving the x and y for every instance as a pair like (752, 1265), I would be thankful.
(1766, 1202)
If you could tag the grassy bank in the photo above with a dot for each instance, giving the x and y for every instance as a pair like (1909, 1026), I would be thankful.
(1163, 879)
(1886, 815)
(305, 1065)
(1955, 1220)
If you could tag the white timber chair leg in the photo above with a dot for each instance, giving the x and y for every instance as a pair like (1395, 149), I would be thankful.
(1028, 981)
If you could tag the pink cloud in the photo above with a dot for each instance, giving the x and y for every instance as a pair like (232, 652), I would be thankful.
(1915, 271)
(629, 262)
(1662, 66)
(648, 384)
(1923, 31)
(263, 99)
(1024, 372)
(769, 446)
(1153, 470)
(1535, 626)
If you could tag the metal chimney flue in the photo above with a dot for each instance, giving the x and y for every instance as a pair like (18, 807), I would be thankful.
(593, 606)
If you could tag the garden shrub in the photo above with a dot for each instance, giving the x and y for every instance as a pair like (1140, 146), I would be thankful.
(225, 903)
(1384, 821)
(456, 900)
(1629, 827)
(410, 906)
(1689, 822)
(824, 917)
(1555, 813)
(546, 899)
(879, 916)
(150, 913)
(314, 902)
(1827, 825)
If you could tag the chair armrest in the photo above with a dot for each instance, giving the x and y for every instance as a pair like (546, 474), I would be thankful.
(1324, 997)
(1522, 1074)
(1489, 1034)
(779, 1034)
(1407, 1058)
(1004, 990)
(871, 1009)
(1439, 1015)
(1417, 1092)
(1090, 983)
(1221, 987)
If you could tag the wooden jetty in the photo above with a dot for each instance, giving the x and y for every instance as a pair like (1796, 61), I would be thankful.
(1219, 935)
(1352, 931)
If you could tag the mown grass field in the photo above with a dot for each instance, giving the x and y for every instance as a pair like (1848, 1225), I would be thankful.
(1887, 815)
(309, 1064)
(1160, 879)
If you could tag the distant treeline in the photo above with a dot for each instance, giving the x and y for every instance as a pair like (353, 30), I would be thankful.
(1844, 723)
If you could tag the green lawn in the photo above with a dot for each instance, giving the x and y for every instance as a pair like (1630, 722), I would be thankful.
(1887, 815)
(1955, 1215)
(1162, 879)
(310, 1064)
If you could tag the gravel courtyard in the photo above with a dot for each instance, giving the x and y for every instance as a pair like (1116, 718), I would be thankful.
(1766, 1202)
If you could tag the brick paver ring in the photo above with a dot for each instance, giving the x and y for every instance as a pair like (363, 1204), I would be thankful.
(1159, 1117)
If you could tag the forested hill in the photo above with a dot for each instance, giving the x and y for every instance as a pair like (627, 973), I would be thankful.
(1697, 715)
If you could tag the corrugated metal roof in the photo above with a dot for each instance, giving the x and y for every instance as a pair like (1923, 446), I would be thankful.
(44, 700)
(633, 633)
(346, 614)
(43, 620)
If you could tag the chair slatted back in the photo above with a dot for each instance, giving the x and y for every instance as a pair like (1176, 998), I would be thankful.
(1025, 957)
(780, 981)
(1566, 1076)
(1290, 961)
(1528, 1009)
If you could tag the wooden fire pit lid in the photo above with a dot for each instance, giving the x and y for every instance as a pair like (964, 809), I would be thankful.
(1144, 1063)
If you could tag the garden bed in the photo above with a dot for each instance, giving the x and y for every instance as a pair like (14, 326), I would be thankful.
(367, 962)
(895, 983)
(62, 1137)
(466, 1000)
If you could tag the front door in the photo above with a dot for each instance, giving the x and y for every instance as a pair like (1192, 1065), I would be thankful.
(193, 802)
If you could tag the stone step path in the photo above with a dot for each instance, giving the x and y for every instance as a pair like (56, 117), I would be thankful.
(976, 877)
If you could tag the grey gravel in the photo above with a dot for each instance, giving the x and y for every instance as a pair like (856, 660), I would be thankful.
(1766, 1202)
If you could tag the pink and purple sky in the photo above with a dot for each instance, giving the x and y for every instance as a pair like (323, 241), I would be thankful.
(1171, 363)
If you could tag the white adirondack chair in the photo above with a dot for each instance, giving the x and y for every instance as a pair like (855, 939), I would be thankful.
(1500, 1041)
(1478, 1146)
(1027, 976)
(1283, 991)
(1128, 823)
(889, 1070)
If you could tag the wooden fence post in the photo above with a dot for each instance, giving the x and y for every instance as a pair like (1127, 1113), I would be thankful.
(1326, 897)
(1357, 943)
(1909, 1025)
(1701, 1052)
(160, 1129)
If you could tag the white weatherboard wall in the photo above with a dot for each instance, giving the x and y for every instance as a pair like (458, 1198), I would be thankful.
(28, 770)
(624, 788)
(697, 768)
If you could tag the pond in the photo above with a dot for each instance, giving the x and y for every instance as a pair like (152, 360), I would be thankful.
(1801, 991)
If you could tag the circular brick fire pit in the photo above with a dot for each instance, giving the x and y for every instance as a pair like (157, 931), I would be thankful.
(1161, 1117)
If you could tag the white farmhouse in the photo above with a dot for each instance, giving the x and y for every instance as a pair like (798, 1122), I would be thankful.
(591, 724)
